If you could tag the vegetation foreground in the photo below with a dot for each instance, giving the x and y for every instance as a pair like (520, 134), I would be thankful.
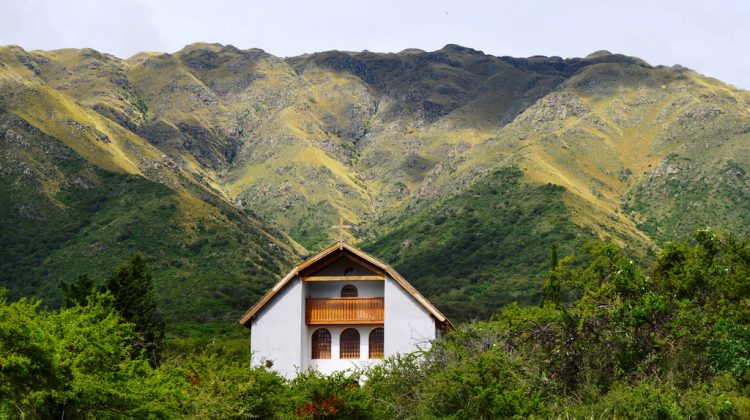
(609, 339)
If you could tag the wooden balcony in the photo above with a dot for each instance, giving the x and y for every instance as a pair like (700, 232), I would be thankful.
(331, 311)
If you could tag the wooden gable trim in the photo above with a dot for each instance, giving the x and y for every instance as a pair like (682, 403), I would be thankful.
(283, 282)
(322, 266)
(342, 278)
(340, 245)
(267, 297)
(365, 264)
(377, 271)
(421, 299)
(324, 253)
(405, 284)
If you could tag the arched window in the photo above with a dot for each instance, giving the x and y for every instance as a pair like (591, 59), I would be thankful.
(321, 344)
(376, 343)
(350, 344)
(349, 291)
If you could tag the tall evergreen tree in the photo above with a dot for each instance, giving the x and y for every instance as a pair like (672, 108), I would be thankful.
(132, 288)
(553, 258)
(78, 291)
(551, 286)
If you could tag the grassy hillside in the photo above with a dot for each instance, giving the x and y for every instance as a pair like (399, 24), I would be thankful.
(484, 247)
(63, 216)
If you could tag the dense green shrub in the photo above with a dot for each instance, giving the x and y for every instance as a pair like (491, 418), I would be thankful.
(652, 401)
(469, 375)
(223, 386)
(77, 363)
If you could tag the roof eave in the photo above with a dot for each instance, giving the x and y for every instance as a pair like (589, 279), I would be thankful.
(245, 320)
(340, 245)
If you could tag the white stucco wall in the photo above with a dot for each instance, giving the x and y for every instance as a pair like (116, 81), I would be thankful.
(277, 333)
(408, 325)
(327, 289)
(328, 366)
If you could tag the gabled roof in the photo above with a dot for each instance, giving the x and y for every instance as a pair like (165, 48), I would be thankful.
(336, 247)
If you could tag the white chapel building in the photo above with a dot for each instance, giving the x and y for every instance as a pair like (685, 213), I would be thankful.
(338, 310)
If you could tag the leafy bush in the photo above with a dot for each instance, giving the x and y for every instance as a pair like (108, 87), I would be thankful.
(652, 401)
(76, 363)
(223, 386)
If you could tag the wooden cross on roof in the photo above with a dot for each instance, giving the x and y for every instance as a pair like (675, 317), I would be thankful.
(341, 226)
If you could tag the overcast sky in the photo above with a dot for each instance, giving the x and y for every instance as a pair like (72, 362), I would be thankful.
(711, 37)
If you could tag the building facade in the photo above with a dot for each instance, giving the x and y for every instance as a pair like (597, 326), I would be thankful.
(338, 310)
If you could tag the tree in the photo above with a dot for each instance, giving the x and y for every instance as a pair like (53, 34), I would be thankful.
(132, 290)
(77, 292)
(553, 258)
(77, 364)
(551, 286)
(27, 361)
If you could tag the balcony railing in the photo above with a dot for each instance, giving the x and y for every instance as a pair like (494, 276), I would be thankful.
(344, 311)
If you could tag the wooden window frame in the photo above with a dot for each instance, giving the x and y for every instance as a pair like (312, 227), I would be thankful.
(376, 350)
(349, 288)
(321, 346)
(349, 344)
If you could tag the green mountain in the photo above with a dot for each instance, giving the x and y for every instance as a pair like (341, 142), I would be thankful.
(460, 168)
(80, 193)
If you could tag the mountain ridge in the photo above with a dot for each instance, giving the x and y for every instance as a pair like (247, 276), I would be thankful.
(642, 154)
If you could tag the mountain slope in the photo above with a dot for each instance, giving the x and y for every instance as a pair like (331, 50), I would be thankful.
(233, 147)
(80, 193)
(484, 247)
